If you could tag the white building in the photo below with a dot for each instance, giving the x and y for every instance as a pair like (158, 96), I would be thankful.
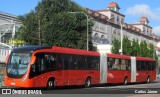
(8, 26)
(108, 23)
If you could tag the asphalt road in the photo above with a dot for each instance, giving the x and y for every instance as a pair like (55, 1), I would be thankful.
(132, 90)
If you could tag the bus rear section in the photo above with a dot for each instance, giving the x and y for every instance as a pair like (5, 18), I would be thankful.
(146, 69)
(127, 69)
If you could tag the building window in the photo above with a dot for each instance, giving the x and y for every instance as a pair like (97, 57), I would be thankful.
(103, 40)
(144, 30)
(118, 20)
(96, 38)
(112, 15)
(116, 34)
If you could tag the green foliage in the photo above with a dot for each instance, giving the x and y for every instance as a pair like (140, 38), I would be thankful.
(52, 22)
(28, 32)
(126, 46)
(116, 46)
(156, 58)
(144, 49)
(151, 51)
(135, 48)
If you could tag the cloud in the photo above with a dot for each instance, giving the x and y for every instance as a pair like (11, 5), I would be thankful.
(143, 10)
(156, 30)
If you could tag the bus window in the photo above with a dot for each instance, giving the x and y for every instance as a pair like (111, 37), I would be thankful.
(138, 65)
(90, 59)
(123, 64)
(50, 62)
(110, 63)
(116, 64)
(146, 65)
(128, 64)
(74, 62)
(82, 62)
(95, 63)
(65, 61)
(153, 65)
(142, 65)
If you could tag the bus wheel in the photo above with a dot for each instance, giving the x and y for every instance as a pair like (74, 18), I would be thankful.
(88, 83)
(125, 81)
(50, 84)
(148, 79)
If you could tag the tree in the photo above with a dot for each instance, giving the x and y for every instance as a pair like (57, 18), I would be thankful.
(135, 51)
(141, 49)
(116, 46)
(53, 25)
(151, 51)
(126, 46)
(28, 31)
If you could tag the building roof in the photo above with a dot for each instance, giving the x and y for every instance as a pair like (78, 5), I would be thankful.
(105, 10)
(113, 4)
(144, 19)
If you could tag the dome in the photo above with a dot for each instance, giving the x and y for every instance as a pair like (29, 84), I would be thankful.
(113, 4)
(144, 19)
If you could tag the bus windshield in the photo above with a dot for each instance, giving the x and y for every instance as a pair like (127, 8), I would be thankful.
(18, 64)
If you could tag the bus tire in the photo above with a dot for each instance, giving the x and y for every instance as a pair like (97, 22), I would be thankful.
(51, 83)
(87, 83)
(148, 79)
(125, 81)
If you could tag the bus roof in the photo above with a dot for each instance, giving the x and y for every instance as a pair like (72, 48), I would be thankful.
(118, 56)
(144, 58)
(73, 51)
(30, 48)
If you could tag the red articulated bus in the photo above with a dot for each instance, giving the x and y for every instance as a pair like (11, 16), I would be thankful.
(38, 66)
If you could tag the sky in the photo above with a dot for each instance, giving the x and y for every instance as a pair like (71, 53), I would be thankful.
(132, 9)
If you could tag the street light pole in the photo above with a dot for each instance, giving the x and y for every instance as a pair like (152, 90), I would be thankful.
(153, 47)
(87, 26)
(121, 50)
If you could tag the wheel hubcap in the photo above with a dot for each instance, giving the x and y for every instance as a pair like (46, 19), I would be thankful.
(50, 84)
(125, 81)
(148, 80)
(88, 83)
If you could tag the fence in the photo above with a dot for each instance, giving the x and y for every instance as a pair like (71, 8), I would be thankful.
(2, 67)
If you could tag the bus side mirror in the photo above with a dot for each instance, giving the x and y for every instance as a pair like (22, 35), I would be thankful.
(33, 59)
(6, 61)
